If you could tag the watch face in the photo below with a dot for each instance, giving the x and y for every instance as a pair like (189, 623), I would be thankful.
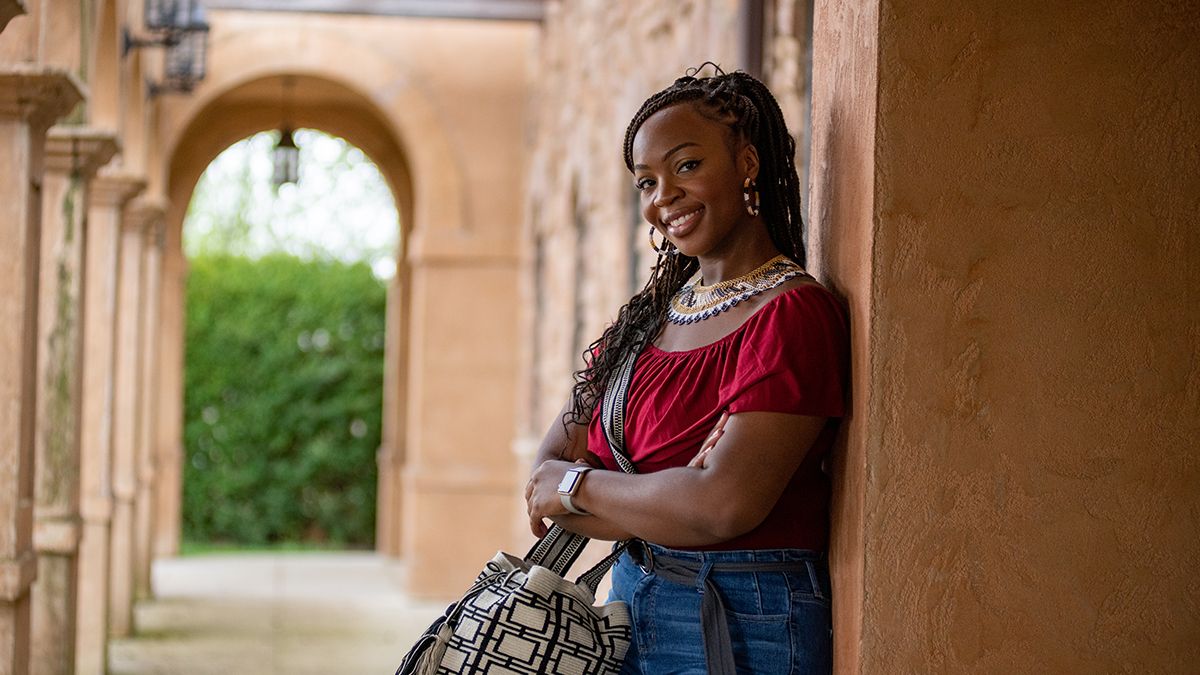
(567, 486)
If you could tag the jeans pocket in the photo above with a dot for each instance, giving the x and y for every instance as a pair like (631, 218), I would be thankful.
(812, 633)
(762, 643)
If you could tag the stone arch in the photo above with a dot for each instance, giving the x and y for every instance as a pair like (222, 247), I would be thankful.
(248, 104)
(421, 98)
(241, 57)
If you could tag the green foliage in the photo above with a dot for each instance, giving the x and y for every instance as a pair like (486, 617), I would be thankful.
(283, 386)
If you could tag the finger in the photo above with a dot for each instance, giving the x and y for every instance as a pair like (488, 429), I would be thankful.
(698, 460)
(711, 441)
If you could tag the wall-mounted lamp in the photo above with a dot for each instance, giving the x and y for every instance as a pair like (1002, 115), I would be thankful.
(180, 27)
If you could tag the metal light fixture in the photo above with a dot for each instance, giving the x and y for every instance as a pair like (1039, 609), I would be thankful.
(183, 31)
(286, 155)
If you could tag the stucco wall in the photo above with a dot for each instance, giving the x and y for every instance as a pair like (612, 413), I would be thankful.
(841, 231)
(1029, 480)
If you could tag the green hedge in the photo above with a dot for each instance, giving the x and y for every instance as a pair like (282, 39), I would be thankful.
(282, 403)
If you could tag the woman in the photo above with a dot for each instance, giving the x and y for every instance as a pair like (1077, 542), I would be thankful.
(732, 408)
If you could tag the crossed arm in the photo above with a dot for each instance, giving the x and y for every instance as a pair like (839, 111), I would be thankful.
(727, 490)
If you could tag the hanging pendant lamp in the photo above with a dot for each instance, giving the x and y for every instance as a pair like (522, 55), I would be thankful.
(286, 155)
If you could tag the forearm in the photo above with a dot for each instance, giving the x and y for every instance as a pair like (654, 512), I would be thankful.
(591, 527)
(674, 507)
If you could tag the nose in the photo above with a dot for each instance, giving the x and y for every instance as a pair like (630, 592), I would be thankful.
(666, 193)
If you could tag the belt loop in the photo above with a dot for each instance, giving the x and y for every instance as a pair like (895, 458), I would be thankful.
(706, 565)
(645, 557)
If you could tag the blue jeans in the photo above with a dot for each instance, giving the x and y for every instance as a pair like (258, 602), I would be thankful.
(779, 622)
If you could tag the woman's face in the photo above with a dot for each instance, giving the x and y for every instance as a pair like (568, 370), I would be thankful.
(690, 177)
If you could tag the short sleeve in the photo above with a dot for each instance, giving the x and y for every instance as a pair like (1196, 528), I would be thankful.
(794, 356)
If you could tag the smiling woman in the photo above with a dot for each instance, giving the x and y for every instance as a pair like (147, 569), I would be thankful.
(739, 365)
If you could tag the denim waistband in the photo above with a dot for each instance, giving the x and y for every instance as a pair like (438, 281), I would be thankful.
(695, 568)
(738, 555)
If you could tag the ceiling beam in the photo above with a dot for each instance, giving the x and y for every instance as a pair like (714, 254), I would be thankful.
(507, 10)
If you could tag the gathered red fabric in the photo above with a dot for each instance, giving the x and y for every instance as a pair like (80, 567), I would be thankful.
(790, 356)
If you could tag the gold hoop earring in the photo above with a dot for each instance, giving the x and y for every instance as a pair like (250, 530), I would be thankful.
(667, 247)
(751, 204)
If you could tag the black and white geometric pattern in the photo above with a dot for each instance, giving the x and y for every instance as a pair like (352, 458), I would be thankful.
(526, 620)
(522, 618)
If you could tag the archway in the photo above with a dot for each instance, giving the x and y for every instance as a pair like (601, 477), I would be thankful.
(251, 106)
(446, 130)
(285, 339)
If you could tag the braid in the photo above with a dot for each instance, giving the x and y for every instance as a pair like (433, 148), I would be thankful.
(752, 113)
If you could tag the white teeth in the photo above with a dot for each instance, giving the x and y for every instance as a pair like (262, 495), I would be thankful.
(679, 221)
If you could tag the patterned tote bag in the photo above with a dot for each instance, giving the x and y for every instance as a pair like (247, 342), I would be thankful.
(521, 617)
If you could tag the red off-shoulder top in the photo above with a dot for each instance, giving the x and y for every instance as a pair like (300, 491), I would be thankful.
(790, 356)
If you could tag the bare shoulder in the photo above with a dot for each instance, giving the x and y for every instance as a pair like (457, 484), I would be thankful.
(791, 284)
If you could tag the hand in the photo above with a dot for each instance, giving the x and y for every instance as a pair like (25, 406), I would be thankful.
(710, 442)
(541, 494)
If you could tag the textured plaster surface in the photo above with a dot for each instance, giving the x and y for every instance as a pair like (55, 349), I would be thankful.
(1032, 502)
(840, 242)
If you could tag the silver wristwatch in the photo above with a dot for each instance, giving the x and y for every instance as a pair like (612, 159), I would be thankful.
(569, 486)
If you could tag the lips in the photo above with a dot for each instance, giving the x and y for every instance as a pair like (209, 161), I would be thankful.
(681, 222)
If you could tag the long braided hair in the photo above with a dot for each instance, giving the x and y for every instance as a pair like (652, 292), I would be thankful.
(750, 110)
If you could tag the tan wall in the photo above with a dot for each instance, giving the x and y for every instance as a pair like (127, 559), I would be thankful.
(841, 229)
(1028, 429)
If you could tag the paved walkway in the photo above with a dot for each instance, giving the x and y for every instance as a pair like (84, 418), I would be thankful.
(260, 614)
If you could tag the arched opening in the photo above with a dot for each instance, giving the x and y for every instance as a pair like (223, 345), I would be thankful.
(337, 109)
(285, 338)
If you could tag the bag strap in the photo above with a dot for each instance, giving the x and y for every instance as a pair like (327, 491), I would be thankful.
(559, 549)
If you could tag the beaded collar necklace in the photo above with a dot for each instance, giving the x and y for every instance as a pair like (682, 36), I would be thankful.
(696, 302)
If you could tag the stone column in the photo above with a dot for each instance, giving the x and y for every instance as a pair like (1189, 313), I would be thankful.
(457, 476)
(388, 535)
(168, 448)
(110, 192)
(127, 397)
(31, 98)
(1007, 200)
(73, 154)
(152, 216)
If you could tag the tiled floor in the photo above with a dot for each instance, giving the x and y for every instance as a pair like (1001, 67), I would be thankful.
(252, 614)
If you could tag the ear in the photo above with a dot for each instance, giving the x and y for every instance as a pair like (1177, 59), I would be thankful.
(747, 160)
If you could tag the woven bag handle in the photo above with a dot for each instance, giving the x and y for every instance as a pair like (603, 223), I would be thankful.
(559, 549)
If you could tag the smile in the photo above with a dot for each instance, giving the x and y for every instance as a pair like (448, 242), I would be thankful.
(679, 223)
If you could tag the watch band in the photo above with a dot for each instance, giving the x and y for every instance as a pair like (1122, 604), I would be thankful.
(565, 496)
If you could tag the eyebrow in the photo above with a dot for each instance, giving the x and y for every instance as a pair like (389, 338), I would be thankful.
(669, 153)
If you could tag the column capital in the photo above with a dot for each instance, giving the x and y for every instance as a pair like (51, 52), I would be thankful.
(17, 575)
(457, 247)
(38, 94)
(57, 535)
(9, 10)
(79, 149)
(114, 189)
(148, 214)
